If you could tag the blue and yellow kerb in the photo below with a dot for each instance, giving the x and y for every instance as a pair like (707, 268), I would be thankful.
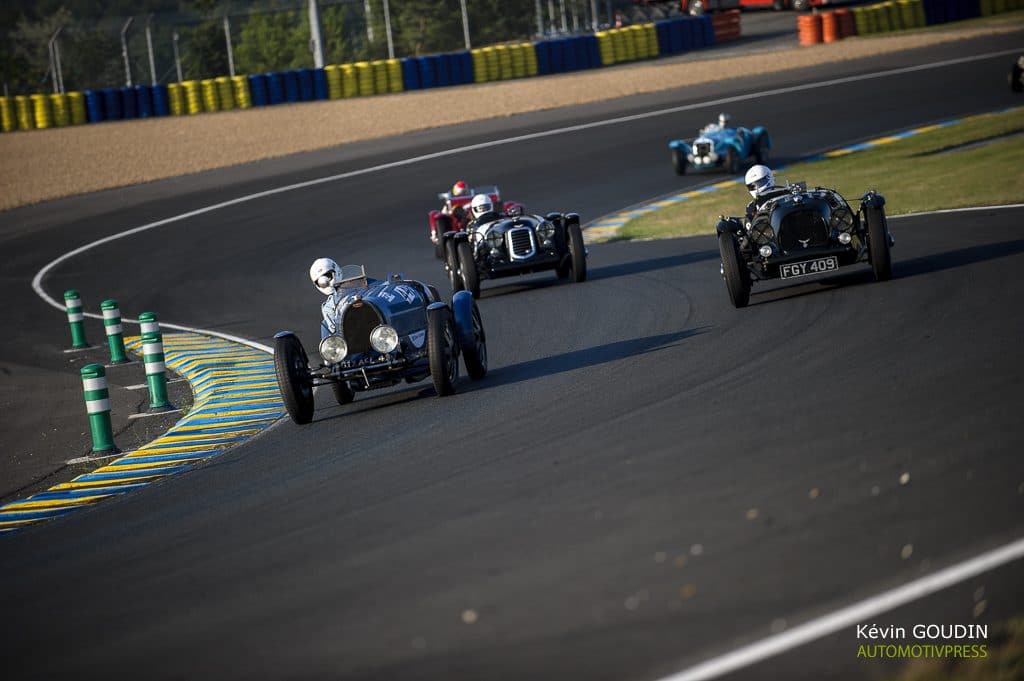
(235, 397)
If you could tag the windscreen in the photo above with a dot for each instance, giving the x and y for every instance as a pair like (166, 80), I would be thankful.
(351, 276)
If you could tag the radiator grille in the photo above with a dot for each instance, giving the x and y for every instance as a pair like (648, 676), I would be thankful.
(702, 149)
(357, 325)
(803, 229)
(520, 242)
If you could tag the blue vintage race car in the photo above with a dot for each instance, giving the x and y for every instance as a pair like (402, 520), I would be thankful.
(720, 145)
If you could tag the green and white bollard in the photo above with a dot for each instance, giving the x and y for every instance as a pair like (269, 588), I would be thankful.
(73, 303)
(148, 322)
(156, 379)
(115, 332)
(97, 403)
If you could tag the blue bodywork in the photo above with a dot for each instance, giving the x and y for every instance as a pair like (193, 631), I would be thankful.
(729, 148)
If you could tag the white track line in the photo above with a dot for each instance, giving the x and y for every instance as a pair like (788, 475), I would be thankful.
(37, 281)
(748, 654)
(858, 613)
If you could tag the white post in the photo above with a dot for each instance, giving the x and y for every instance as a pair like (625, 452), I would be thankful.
(565, 26)
(369, 21)
(227, 42)
(149, 46)
(465, 25)
(540, 19)
(315, 40)
(177, 55)
(575, 17)
(551, 15)
(124, 51)
(387, 30)
(60, 69)
(594, 23)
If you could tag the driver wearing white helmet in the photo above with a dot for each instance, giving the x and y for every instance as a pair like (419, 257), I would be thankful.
(483, 209)
(323, 273)
(760, 183)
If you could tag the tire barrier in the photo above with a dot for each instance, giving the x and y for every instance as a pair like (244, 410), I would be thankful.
(193, 97)
(23, 107)
(176, 99)
(8, 117)
(364, 78)
(143, 100)
(847, 27)
(829, 27)
(809, 29)
(225, 94)
(156, 377)
(683, 34)
(97, 405)
(395, 83)
(275, 88)
(726, 25)
(305, 78)
(76, 320)
(350, 83)
(379, 68)
(114, 330)
(41, 113)
(290, 80)
(211, 101)
(94, 106)
(61, 112)
(129, 104)
(320, 89)
(161, 105)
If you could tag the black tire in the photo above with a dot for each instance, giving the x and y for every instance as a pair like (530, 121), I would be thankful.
(467, 268)
(577, 254)
(679, 162)
(731, 162)
(878, 243)
(342, 392)
(737, 276)
(451, 261)
(292, 368)
(760, 151)
(443, 351)
(469, 328)
(442, 224)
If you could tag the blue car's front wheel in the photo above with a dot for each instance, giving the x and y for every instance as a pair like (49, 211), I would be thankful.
(678, 161)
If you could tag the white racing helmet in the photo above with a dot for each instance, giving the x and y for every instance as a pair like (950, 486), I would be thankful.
(323, 273)
(759, 179)
(724, 120)
(481, 204)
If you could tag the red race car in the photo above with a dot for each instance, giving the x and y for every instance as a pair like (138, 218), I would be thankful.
(454, 212)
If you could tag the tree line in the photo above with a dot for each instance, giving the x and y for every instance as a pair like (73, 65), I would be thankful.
(266, 35)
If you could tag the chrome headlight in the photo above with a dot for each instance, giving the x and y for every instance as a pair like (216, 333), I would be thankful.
(384, 338)
(842, 219)
(546, 230)
(494, 238)
(761, 232)
(333, 349)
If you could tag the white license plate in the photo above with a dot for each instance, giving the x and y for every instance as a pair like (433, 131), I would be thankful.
(801, 269)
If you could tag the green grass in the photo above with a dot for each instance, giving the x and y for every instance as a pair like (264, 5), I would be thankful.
(907, 172)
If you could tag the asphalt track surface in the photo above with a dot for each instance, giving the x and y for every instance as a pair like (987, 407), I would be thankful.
(582, 513)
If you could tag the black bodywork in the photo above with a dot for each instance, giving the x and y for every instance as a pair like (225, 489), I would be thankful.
(808, 231)
(510, 245)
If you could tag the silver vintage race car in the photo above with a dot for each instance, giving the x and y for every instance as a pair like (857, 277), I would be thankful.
(378, 333)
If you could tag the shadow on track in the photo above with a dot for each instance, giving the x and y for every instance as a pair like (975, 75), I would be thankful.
(958, 258)
(640, 266)
(588, 357)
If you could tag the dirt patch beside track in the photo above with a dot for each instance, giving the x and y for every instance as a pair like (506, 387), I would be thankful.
(53, 163)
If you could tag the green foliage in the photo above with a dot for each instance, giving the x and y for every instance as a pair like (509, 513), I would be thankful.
(276, 41)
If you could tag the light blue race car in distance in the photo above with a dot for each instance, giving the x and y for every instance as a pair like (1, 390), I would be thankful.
(721, 145)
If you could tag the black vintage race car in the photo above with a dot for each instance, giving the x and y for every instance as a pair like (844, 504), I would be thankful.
(799, 232)
(513, 244)
(378, 333)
